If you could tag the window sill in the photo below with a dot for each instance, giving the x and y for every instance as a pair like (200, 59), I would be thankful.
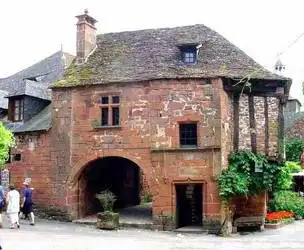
(106, 127)
(187, 149)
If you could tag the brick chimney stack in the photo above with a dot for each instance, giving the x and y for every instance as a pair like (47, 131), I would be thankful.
(86, 36)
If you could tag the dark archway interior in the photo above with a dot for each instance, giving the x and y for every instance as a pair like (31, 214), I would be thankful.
(119, 175)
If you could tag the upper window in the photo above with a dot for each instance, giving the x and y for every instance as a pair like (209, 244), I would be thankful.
(189, 57)
(188, 135)
(17, 110)
(189, 53)
(110, 110)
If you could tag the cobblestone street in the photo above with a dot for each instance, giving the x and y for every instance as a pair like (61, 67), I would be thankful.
(48, 235)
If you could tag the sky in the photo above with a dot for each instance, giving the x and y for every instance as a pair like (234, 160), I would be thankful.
(33, 29)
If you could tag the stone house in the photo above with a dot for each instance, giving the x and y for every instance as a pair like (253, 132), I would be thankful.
(292, 111)
(150, 111)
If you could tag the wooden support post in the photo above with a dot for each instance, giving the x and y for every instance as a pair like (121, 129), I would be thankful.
(281, 131)
(252, 124)
(236, 104)
(266, 142)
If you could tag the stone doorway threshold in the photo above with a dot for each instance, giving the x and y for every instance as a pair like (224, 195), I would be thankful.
(139, 216)
(191, 229)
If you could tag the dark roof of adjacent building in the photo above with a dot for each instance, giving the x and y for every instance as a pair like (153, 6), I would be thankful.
(39, 122)
(3, 100)
(35, 80)
(155, 54)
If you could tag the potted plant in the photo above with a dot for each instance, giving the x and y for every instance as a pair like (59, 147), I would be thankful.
(107, 219)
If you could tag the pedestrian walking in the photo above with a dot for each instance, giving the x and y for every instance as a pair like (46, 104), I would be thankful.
(27, 202)
(13, 206)
(2, 205)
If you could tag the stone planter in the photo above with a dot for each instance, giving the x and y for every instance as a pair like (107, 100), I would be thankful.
(278, 225)
(108, 220)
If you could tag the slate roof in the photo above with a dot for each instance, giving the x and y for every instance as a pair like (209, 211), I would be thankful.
(36, 79)
(41, 121)
(3, 100)
(154, 54)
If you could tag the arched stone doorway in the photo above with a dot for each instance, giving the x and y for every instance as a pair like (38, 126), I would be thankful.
(117, 174)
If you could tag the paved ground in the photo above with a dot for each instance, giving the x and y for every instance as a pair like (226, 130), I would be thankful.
(47, 235)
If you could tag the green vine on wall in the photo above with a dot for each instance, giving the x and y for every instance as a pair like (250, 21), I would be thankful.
(247, 174)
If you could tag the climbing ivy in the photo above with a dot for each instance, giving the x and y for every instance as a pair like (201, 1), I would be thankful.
(247, 174)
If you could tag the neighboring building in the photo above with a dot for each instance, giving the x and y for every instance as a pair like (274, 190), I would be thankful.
(149, 111)
(292, 111)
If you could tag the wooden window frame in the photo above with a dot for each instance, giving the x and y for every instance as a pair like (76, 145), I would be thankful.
(180, 135)
(20, 115)
(110, 105)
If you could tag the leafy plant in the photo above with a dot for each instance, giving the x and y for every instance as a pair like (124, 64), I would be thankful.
(284, 178)
(247, 173)
(294, 149)
(233, 183)
(287, 201)
(293, 167)
(106, 199)
(7, 141)
(146, 197)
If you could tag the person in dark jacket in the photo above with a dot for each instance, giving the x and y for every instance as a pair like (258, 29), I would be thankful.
(27, 203)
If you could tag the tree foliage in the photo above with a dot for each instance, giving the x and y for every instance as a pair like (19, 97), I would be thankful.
(294, 148)
(7, 141)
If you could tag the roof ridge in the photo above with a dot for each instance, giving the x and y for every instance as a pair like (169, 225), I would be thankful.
(155, 29)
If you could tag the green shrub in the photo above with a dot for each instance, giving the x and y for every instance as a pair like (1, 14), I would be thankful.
(294, 167)
(294, 149)
(284, 178)
(287, 201)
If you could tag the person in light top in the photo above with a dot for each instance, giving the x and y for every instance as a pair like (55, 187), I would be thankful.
(13, 206)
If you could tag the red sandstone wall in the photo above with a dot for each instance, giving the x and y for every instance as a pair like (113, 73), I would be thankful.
(150, 113)
(35, 163)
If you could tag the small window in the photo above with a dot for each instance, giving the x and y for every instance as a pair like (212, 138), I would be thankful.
(17, 110)
(189, 57)
(115, 99)
(115, 116)
(104, 116)
(188, 135)
(17, 157)
(105, 100)
(110, 110)
(189, 53)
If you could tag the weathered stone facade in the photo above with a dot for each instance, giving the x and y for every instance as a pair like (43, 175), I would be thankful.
(148, 135)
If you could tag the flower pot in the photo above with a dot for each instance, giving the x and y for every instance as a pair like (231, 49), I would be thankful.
(107, 220)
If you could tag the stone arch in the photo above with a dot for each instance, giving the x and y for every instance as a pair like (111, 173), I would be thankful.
(77, 180)
(84, 161)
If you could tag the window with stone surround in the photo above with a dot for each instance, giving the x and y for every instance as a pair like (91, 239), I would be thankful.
(188, 135)
(110, 110)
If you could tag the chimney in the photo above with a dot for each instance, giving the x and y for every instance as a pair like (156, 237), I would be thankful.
(86, 36)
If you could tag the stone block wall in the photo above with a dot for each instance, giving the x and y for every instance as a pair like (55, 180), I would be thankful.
(262, 105)
(34, 149)
(150, 116)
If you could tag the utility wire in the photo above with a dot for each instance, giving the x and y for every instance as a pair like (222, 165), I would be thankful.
(290, 45)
